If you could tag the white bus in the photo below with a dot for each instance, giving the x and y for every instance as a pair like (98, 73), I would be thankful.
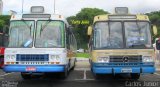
(40, 43)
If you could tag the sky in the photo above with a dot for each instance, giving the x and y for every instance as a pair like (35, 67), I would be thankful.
(72, 7)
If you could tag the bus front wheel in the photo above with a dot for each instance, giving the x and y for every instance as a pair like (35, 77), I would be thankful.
(135, 76)
(64, 74)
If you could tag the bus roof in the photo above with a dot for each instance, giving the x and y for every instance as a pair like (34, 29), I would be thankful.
(107, 17)
(39, 17)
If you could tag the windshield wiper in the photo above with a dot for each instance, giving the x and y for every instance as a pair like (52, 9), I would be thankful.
(29, 26)
(44, 26)
(27, 43)
(139, 28)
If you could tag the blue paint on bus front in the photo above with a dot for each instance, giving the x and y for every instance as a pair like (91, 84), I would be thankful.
(113, 68)
(38, 68)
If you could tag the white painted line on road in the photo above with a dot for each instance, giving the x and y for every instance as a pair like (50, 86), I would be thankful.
(157, 74)
(5, 74)
(84, 77)
(81, 69)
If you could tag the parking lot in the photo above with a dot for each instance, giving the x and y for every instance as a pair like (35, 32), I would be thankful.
(81, 76)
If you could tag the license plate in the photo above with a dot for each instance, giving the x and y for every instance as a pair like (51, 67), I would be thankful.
(30, 68)
(126, 70)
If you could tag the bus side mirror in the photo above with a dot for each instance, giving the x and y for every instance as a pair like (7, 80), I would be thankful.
(154, 29)
(89, 30)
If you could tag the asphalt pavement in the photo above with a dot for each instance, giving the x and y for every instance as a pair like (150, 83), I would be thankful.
(81, 76)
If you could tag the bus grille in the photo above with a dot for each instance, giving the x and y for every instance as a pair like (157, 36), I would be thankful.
(126, 58)
(32, 57)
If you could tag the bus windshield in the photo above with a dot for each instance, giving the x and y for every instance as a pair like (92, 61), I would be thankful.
(108, 35)
(137, 34)
(21, 34)
(49, 34)
(112, 35)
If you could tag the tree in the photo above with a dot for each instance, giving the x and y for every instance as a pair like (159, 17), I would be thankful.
(4, 20)
(81, 21)
(155, 20)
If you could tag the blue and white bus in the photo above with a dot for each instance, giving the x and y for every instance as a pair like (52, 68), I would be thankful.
(39, 43)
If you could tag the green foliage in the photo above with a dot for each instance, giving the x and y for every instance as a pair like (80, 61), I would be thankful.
(80, 30)
(4, 20)
(155, 20)
(84, 55)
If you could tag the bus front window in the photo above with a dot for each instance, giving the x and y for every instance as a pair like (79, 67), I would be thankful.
(49, 34)
(21, 34)
(137, 34)
(108, 35)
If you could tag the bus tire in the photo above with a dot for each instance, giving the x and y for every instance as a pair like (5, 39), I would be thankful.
(25, 76)
(64, 74)
(135, 76)
(97, 76)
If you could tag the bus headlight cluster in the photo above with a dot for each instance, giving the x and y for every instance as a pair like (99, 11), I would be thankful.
(147, 59)
(10, 57)
(55, 58)
(103, 59)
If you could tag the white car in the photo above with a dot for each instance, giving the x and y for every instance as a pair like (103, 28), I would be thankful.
(80, 50)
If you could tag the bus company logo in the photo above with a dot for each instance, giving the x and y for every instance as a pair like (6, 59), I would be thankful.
(125, 59)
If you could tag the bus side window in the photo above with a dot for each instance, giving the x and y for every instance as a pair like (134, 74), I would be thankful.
(74, 43)
(90, 44)
(67, 39)
(71, 42)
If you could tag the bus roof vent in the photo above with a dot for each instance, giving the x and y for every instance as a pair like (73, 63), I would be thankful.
(37, 9)
(121, 10)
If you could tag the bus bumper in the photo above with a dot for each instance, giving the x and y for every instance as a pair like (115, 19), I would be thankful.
(120, 69)
(37, 68)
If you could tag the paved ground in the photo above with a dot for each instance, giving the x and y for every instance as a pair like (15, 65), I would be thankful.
(80, 77)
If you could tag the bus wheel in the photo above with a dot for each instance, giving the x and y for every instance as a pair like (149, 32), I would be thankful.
(25, 76)
(135, 76)
(97, 76)
(64, 74)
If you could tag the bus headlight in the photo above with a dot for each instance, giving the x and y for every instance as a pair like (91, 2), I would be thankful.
(11, 57)
(55, 58)
(103, 59)
(147, 59)
(8, 57)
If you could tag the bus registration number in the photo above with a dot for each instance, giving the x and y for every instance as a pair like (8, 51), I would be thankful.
(126, 70)
(30, 68)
